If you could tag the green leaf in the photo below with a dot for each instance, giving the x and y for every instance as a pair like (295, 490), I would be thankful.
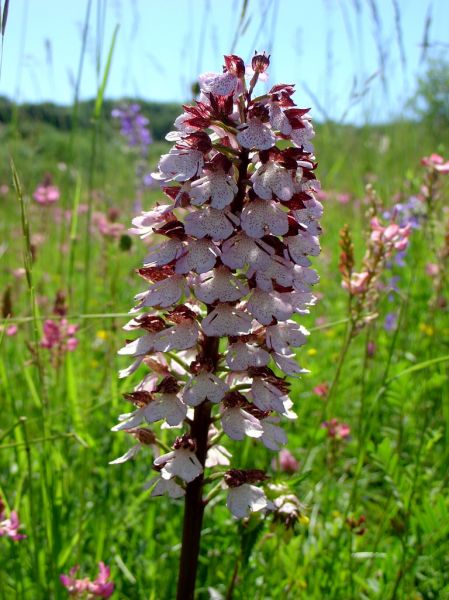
(420, 366)
(102, 88)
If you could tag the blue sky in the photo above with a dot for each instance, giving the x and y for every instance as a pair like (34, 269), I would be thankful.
(343, 63)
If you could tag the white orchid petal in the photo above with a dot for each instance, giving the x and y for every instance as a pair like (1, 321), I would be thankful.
(245, 499)
(237, 423)
(131, 453)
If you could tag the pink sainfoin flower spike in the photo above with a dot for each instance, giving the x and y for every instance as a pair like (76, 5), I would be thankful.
(363, 287)
(437, 163)
(9, 526)
(46, 193)
(337, 429)
(390, 237)
(85, 588)
(107, 224)
(431, 190)
(321, 390)
(287, 462)
(59, 335)
(227, 271)
(11, 330)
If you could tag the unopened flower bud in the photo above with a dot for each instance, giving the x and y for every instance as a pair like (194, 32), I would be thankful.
(139, 398)
(143, 435)
(260, 62)
(185, 442)
(238, 477)
(287, 462)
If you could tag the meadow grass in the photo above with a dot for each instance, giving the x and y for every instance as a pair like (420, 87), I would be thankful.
(55, 442)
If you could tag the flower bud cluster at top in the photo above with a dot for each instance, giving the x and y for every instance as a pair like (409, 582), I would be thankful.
(228, 273)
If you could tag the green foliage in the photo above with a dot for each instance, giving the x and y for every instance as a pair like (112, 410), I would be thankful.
(431, 101)
(55, 442)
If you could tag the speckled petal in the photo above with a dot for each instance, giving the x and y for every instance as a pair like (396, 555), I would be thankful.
(201, 256)
(219, 284)
(209, 222)
(164, 253)
(256, 135)
(245, 499)
(261, 217)
(226, 320)
(271, 179)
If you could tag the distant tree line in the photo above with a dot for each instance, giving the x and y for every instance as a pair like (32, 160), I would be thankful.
(430, 105)
(161, 115)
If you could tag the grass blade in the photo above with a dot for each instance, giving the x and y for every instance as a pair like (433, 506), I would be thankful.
(102, 88)
(4, 17)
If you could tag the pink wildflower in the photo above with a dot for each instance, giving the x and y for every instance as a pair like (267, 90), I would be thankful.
(287, 462)
(46, 193)
(432, 269)
(59, 335)
(383, 241)
(358, 284)
(391, 236)
(336, 429)
(343, 198)
(321, 390)
(436, 162)
(371, 349)
(19, 272)
(85, 588)
(107, 224)
(9, 526)
(11, 330)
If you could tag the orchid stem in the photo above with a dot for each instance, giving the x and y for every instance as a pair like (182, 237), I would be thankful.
(194, 504)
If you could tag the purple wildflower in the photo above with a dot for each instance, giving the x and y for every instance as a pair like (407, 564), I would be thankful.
(133, 126)
(391, 321)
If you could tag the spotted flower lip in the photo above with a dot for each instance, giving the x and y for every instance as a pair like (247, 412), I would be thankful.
(256, 135)
(261, 217)
(179, 165)
(227, 273)
(243, 496)
(218, 187)
(225, 320)
(181, 463)
(271, 180)
(219, 285)
(163, 486)
(245, 499)
(204, 386)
